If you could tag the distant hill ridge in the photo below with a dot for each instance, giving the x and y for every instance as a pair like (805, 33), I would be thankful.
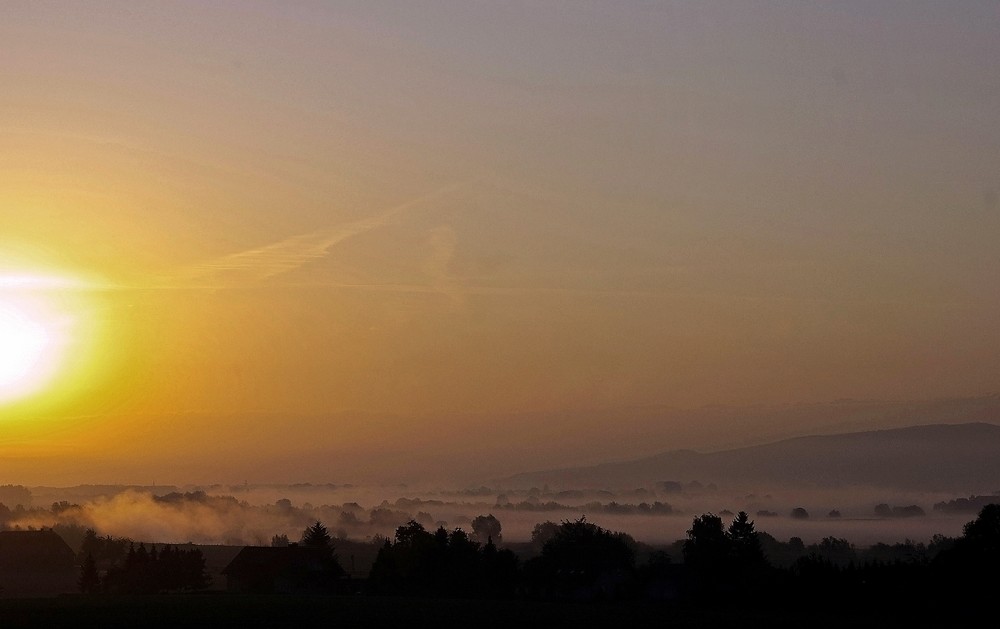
(943, 457)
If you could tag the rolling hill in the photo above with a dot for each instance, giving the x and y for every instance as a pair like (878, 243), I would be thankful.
(956, 457)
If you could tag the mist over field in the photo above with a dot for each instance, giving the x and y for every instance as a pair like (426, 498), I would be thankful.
(254, 514)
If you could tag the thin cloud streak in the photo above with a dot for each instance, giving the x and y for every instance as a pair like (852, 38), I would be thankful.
(456, 293)
(294, 252)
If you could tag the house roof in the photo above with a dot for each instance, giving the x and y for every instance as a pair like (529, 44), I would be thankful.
(28, 550)
(278, 560)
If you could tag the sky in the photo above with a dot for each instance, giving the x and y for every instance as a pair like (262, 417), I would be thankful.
(362, 231)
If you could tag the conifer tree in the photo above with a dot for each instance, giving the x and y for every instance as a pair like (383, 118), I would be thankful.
(90, 581)
(316, 536)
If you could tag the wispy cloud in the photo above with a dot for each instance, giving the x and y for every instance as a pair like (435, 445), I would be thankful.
(285, 255)
(292, 253)
(442, 242)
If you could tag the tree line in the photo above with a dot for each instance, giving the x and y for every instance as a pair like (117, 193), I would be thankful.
(115, 565)
(719, 563)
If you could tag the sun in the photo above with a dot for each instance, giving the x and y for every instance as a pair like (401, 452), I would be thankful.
(34, 335)
(23, 344)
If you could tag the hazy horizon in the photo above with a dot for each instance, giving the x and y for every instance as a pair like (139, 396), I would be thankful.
(251, 514)
(196, 453)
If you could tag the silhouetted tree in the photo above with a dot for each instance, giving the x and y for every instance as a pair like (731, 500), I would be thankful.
(90, 581)
(441, 564)
(407, 564)
(983, 533)
(141, 555)
(583, 560)
(541, 533)
(486, 527)
(707, 547)
(169, 570)
(500, 570)
(106, 551)
(91, 545)
(279, 541)
(411, 533)
(725, 565)
(746, 547)
(462, 564)
(969, 566)
(835, 550)
(316, 536)
(195, 575)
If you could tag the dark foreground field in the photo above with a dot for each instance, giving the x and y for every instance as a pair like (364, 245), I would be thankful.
(222, 610)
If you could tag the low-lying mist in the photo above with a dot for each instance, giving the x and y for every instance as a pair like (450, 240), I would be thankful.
(254, 515)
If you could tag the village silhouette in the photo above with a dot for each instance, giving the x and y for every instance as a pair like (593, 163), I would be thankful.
(721, 567)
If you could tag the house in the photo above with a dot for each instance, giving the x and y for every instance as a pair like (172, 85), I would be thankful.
(36, 563)
(283, 570)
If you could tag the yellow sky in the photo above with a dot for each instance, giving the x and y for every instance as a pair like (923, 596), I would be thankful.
(306, 209)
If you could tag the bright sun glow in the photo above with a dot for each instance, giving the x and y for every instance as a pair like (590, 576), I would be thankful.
(22, 346)
(35, 333)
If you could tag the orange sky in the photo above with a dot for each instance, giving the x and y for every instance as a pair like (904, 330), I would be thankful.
(325, 213)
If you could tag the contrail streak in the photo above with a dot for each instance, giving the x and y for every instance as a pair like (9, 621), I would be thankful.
(293, 252)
